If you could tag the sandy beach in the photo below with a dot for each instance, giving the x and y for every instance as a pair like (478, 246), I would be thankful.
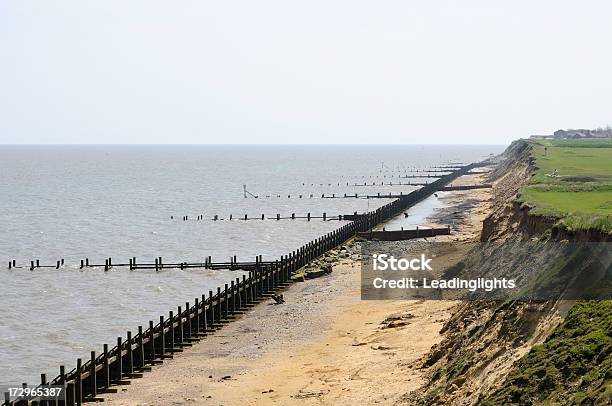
(323, 346)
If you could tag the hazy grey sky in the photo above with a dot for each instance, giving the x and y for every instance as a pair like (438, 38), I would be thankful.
(465, 71)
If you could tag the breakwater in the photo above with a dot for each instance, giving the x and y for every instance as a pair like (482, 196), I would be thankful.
(137, 353)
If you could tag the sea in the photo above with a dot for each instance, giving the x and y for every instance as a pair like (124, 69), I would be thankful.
(123, 201)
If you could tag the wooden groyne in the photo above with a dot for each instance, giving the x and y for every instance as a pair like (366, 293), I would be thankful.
(158, 264)
(400, 235)
(161, 339)
(466, 187)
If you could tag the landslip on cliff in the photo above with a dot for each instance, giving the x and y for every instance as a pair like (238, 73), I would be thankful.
(554, 351)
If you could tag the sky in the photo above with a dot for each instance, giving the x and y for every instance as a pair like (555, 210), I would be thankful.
(283, 71)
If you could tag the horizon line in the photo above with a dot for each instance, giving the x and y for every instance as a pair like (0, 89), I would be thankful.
(244, 144)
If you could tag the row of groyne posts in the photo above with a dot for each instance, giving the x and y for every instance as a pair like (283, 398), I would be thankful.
(161, 339)
(157, 265)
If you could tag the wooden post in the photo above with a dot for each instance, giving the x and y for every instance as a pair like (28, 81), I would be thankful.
(92, 375)
(140, 350)
(196, 316)
(69, 396)
(106, 368)
(162, 338)
(171, 330)
(218, 306)
(240, 299)
(233, 292)
(308, 216)
(43, 384)
(78, 383)
(130, 354)
(225, 303)
(247, 291)
(152, 341)
(118, 374)
(181, 333)
(188, 320)
(211, 310)
(204, 318)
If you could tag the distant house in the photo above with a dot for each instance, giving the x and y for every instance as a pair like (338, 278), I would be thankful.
(583, 133)
(540, 137)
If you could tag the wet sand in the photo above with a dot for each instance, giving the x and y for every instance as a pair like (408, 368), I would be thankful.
(323, 346)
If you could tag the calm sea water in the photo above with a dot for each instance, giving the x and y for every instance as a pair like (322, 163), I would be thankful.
(74, 202)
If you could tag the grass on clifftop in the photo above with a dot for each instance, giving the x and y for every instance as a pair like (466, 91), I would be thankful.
(581, 193)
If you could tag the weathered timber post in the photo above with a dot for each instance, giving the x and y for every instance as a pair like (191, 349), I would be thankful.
(92, 375)
(181, 332)
(211, 310)
(204, 318)
(188, 321)
(218, 305)
(239, 293)
(233, 292)
(43, 384)
(130, 354)
(105, 368)
(225, 303)
(171, 330)
(196, 316)
(140, 350)
(118, 373)
(162, 338)
(78, 383)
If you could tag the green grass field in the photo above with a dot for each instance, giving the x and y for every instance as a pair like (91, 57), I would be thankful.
(581, 193)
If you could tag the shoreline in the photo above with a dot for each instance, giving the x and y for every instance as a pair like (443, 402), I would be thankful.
(318, 347)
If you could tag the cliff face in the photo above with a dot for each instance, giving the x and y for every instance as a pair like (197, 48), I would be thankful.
(509, 219)
(485, 341)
